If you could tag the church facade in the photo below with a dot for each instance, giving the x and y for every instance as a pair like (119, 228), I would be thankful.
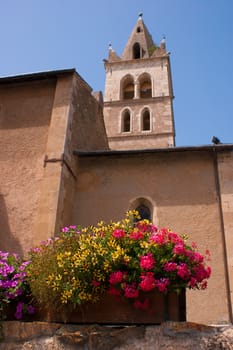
(68, 156)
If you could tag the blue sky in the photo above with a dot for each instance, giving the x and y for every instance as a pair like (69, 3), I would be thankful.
(41, 35)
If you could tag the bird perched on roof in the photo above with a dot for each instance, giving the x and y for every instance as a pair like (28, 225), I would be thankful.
(215, 140)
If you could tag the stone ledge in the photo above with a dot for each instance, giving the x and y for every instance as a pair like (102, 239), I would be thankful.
(167, 336)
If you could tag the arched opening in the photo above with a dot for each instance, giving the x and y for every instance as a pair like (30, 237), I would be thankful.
(136, 51)
(128, 88)
(146, 120)
(126, 121)
(145, 87)
(144, 212)
(144, 207)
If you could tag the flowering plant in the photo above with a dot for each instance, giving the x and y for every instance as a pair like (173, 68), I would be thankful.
(124, 259)
(13, 285)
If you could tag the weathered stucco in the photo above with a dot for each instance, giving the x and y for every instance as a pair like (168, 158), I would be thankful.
(25, 112)
(43, 118)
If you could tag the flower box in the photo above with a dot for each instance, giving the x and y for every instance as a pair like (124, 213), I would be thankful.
(111, 311)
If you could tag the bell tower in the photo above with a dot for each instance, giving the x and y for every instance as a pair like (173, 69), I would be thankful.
(138, 97)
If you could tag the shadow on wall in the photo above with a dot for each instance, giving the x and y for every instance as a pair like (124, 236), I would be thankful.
(7, 241)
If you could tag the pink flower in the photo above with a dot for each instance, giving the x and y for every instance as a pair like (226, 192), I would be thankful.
(116, 277)
(131, 290)
(143, 226)
(147, 282)
(174, 238)
(162, 284)
(197, 257)
(118, 233)
(179, 249)
(157, 238)
(183, 271)
(192, 282)
(136, 235)
(147, 262)
(204, 285)
(170, 266)
(19, 311)
(202, 272)
(30, 309)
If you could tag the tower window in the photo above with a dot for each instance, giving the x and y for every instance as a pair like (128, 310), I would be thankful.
(128, 91)
(136, 51)
(128, 88)
(145, 87)
(126, 121)
(146, 120)
(138, 29)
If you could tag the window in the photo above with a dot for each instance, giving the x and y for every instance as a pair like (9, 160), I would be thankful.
(146, 120)
(136, 51)
(127, 88)
(126, 121)
(145, 86)
(144, 212)
(144, 207)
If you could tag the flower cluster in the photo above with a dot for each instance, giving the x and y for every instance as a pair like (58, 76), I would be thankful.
(13, 284)
(125, 259)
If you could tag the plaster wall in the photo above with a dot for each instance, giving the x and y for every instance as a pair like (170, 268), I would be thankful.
(182, 190)
(85, 131)
(25, 112)
(225, 168)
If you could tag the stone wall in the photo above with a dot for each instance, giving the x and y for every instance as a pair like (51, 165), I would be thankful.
(161, 133)
(168, 336)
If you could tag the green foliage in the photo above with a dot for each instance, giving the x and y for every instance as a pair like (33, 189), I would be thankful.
(152, 49)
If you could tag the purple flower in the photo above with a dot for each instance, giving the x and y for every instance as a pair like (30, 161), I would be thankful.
(31, 310)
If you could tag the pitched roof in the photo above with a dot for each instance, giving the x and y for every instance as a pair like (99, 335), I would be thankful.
(140, 35)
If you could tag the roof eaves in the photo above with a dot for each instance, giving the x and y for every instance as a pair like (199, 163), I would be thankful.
(215, 148)
(36, 76)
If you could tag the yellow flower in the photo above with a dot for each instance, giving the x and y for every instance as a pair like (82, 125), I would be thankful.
(144, 244)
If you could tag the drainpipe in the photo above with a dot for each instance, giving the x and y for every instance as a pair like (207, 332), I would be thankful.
(217, 183)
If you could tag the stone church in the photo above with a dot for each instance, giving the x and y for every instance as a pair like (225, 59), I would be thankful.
(70, 156)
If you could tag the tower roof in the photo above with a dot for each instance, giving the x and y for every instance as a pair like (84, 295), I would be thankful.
(140, 42)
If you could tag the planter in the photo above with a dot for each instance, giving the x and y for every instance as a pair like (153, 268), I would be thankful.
(109, 311)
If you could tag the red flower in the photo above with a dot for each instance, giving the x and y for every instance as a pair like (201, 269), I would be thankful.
(116, 277)
(162, 284)
(147, 262)
(183, 271)
(136, 235)
(131, 291)
(179, 249)
(147, 282)
(158, 238)
(170, 266)
(118, 233)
